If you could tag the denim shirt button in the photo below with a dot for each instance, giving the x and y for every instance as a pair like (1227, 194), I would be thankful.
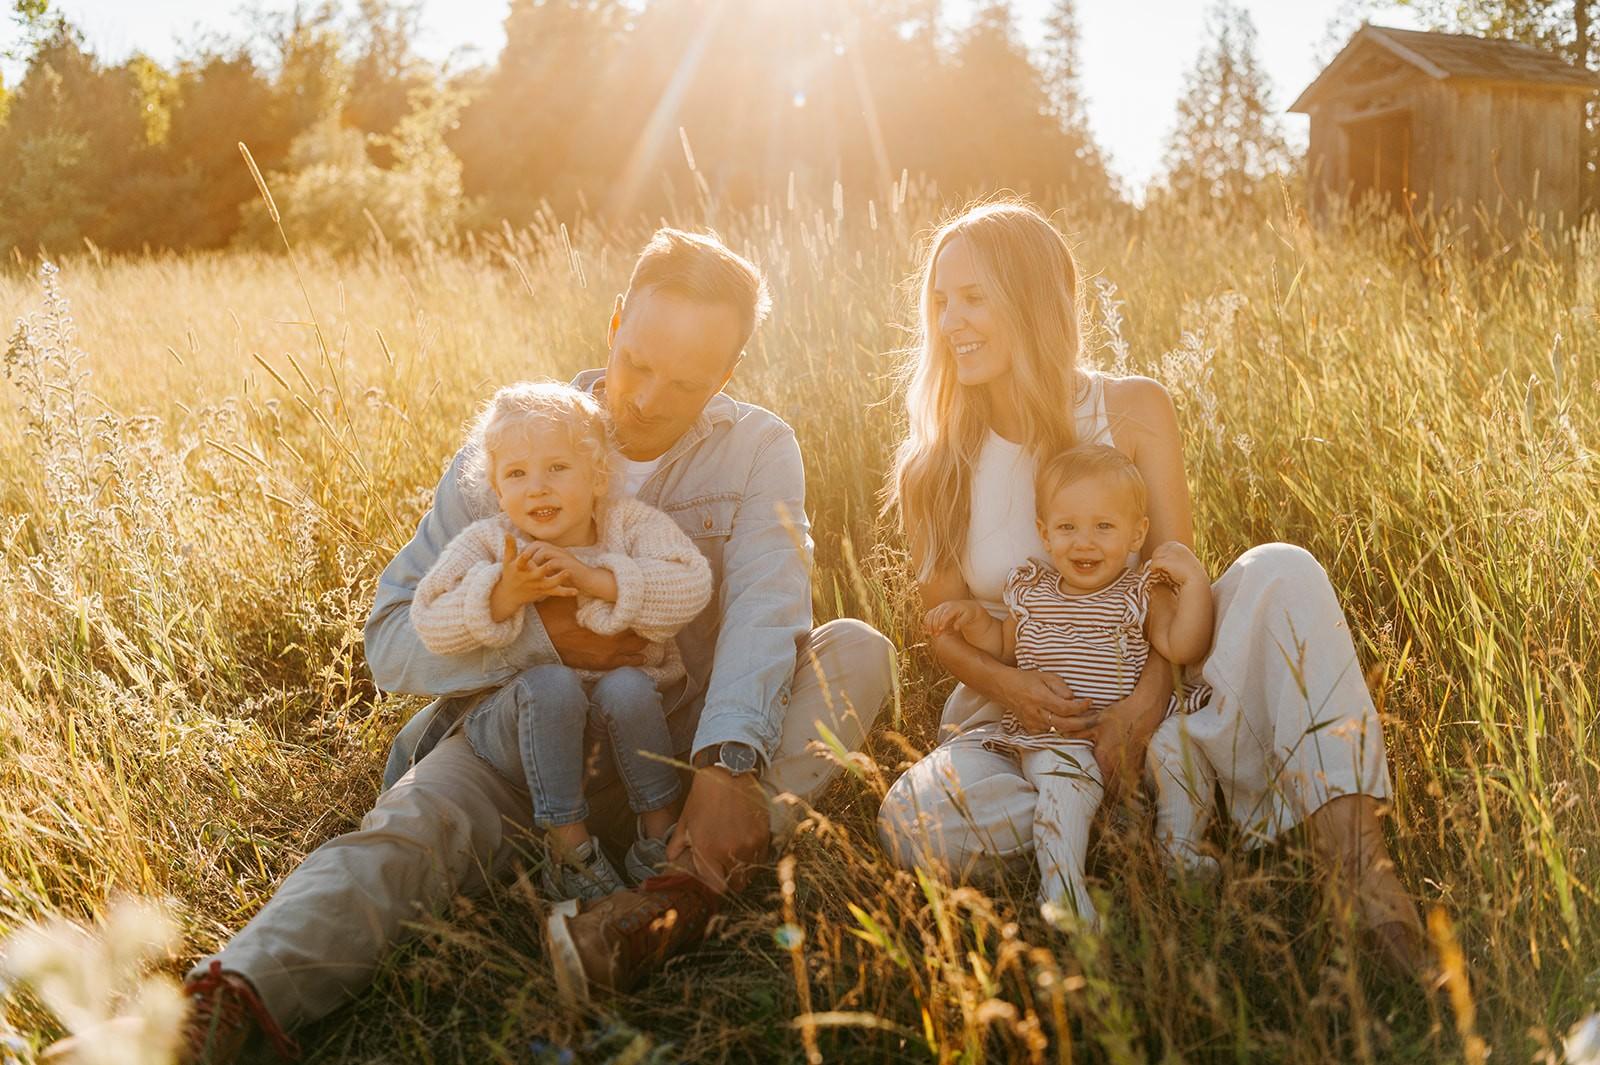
(708, 523)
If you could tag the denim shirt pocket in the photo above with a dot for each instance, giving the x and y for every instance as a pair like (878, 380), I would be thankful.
(708, 521)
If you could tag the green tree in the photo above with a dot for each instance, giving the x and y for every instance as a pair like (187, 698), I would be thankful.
(75, 145)
(533, 130)
(385, 70)
(1061, 67)
(31, 17)
(1228, 146)
(221, 99)
(999, 100)
(332, 194)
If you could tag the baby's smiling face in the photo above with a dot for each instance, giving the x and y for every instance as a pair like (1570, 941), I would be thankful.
(1090, 527)
(546, 485)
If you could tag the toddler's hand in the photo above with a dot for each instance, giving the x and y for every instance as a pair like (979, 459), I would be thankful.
(952, 616)
(560, 562)
(1178, 564)
(525, 580)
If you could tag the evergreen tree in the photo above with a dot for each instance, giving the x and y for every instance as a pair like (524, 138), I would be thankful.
(1061, 68)
(1228, 145)
(1002, 131)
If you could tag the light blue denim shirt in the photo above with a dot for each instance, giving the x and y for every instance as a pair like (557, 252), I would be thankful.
(735, 484)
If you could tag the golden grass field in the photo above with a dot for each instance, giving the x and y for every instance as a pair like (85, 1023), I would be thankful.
(200, 493)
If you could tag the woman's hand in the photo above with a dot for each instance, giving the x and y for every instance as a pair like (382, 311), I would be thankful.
(523, 581)
(1121, 736)
(1043, 702)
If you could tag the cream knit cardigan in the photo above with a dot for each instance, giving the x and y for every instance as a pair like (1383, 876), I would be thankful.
(663, 581)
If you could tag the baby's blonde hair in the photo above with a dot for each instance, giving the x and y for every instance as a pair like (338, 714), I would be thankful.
(519, 405)
(1083, 462)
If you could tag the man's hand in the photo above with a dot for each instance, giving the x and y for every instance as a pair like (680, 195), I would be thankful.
(1043, 702)
(724, 830)
(523, 581)
(582, 649)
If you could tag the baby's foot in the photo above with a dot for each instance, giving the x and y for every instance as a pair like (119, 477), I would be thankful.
(1190, 866)
(581, 872)
(647, 857)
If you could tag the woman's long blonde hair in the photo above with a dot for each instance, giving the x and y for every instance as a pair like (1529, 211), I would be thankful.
(1031, 280)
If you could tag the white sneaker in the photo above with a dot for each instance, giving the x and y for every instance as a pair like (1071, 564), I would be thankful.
(583, 872)
(647, 857)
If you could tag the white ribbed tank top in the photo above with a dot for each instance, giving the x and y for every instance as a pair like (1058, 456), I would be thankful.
(1001, 529)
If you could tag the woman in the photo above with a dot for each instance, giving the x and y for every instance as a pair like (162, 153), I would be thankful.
(1290, 729)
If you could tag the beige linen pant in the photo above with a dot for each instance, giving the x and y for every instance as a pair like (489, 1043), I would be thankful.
(452, 823)
(1290, 725)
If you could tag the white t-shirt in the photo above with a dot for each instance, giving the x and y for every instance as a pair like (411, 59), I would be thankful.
(632, 475)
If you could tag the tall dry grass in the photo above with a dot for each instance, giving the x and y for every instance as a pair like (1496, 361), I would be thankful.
(201, 492)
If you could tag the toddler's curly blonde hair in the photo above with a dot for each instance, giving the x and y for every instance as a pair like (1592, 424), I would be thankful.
(515, 407)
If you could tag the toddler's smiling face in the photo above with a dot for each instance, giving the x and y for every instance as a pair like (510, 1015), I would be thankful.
(546, 485)
(1090, 527)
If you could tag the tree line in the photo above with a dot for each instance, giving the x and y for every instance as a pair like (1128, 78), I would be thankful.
(605, 108)
(616, 108)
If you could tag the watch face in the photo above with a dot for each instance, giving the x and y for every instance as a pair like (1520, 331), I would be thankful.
(737, 758)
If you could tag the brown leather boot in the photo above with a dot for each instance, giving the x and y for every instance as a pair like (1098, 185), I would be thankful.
(1348, 838)
(224, 1010)
(608, 945)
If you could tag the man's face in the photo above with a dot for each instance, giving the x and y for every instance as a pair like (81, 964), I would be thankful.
(669, 356)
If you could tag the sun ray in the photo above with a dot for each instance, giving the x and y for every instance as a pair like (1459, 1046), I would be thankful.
(663, 118)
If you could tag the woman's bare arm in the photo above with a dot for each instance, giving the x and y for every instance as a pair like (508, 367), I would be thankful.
(1144, 426)
(979, 671)
(1040, 700)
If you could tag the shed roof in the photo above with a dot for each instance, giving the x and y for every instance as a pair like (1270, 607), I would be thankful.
(1451, 56)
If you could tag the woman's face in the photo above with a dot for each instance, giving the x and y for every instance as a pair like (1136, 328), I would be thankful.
(965, 317)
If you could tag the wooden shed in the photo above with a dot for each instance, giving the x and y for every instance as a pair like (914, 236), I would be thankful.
(1441, 120)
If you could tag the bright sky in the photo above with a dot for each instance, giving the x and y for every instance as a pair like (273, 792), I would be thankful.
(1135, 55)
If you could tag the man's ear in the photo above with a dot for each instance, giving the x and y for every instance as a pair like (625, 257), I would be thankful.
(615, 323)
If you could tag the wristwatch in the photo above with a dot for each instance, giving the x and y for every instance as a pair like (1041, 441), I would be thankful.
(737, 758)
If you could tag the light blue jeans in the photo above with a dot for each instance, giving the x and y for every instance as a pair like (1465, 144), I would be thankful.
(534, 732)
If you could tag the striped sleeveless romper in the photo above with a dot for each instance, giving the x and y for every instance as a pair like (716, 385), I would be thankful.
(1094, 641)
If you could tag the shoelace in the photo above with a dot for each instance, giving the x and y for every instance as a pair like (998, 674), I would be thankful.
(695, 902)
(220, 1003)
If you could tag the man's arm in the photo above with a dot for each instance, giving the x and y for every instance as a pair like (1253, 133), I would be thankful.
(764, 603)
(396, 655)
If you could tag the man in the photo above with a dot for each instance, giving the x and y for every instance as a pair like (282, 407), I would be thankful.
(761, 685)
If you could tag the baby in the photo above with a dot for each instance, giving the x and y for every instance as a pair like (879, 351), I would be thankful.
(542, 450)
(1090, 618)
